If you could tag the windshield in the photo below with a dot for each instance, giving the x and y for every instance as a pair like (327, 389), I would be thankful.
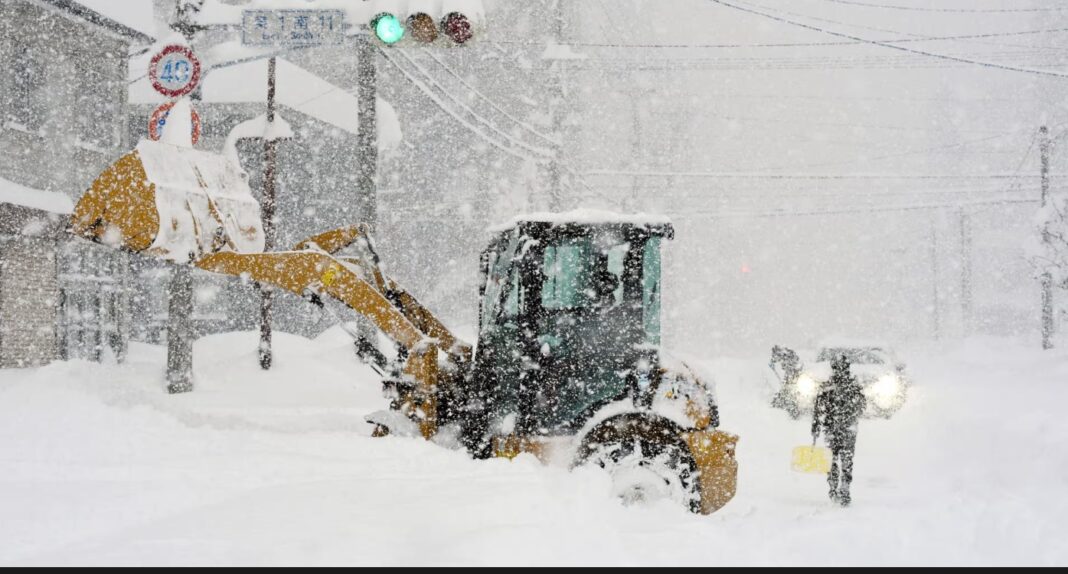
(856, 356)
(583, 273)
(498, 278)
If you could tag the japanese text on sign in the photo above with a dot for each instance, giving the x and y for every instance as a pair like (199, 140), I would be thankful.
(292, 27)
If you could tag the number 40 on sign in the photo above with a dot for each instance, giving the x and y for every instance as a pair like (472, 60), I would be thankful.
(174, 71)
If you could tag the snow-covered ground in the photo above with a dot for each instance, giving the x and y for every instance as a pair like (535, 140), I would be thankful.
(98, 465)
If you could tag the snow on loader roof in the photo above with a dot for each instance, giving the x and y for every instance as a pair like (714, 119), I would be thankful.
(585, 217)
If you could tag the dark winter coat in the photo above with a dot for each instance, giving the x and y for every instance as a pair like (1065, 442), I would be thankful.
(838, 407)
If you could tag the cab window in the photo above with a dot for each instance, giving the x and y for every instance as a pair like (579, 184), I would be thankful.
(582, 273)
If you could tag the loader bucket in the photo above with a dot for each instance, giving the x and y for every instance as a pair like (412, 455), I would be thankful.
(713, 452)
(171, 202)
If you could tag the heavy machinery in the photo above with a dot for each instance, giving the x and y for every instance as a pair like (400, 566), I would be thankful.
(568, 365)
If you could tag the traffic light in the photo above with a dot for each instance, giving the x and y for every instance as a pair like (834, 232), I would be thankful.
(457, 27)
(423, 28)
(387, 28)
(426, 21)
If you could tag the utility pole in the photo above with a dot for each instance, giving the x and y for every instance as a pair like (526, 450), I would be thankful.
(270, 160)
(557, 111)
(179, 330)
(180, 289)
(635, 152)
(936, 314)
(1047, 276)
(966, 299)
(367, 131)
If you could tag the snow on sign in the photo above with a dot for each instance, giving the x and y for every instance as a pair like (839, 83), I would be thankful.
(174, 71)
(158, 122)
(292, 27)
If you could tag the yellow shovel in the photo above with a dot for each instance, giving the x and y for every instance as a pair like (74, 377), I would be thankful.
(812, 459)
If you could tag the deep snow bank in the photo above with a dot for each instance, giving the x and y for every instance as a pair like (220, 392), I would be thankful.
(100, 466)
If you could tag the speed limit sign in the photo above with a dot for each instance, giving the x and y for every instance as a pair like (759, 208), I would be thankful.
(174, 71)
(158, 122)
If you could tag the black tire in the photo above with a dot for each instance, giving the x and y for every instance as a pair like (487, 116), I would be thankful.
(647, 458)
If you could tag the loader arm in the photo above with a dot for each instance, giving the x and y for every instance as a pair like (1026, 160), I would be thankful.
(309, 272)
(338, 240)
(312, 272)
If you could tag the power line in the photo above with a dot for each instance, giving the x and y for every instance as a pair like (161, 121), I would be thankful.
(440, 104)
(262, 56)
(888, 45)
(902, 154)
(903, 208)
(802, 176)
(521, 123)
(951, 10)
(788, 44)
(425, 89)
(474, 114)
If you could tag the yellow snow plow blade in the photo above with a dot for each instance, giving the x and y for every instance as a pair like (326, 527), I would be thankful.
(174, 203)
(811, 459)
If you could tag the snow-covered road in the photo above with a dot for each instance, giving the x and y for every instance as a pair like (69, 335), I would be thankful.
(99, 466)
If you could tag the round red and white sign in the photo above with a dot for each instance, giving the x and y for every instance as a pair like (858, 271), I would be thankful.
(174, 71)
(158, 122)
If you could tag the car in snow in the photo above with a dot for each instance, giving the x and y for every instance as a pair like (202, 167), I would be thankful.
(883, 377)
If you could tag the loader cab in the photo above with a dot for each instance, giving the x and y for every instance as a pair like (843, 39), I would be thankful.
(569, 313)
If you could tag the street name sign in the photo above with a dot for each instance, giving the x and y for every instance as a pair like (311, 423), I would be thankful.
(292, 28)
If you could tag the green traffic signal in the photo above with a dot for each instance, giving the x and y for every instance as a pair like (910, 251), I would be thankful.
(388, 28)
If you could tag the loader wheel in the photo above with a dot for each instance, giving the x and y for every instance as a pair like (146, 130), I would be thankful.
(646, 458)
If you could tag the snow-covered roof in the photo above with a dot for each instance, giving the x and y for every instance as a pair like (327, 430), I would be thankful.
(296, 88)
(586, 217)
(50, 201)
(132, 20)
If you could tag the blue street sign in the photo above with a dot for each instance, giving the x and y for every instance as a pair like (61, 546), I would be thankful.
(289, 28)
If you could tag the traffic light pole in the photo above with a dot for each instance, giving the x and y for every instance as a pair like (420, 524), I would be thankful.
(367, 131)
(366, 152)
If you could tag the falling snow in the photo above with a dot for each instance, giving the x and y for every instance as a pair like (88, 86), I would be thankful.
(569, 235)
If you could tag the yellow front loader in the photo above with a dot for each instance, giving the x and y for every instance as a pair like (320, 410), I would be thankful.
(568, 365)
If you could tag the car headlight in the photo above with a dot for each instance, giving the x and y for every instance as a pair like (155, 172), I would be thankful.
(886, 390)
(806, 386)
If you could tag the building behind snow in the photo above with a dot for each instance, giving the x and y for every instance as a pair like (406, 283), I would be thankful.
(62, 101)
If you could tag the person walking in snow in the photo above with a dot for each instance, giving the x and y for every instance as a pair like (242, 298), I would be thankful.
(836, 412)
